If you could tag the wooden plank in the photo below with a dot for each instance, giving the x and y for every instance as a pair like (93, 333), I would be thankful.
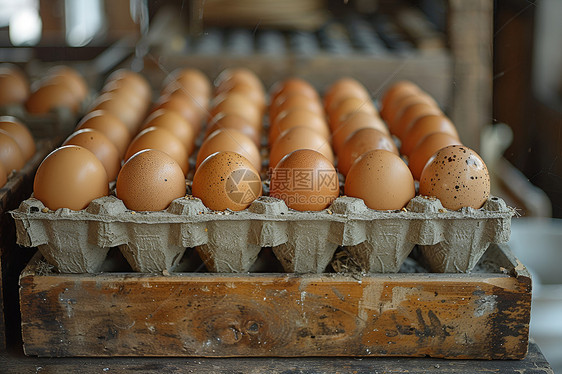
(534, 363)
(480, 315)
(470, 40)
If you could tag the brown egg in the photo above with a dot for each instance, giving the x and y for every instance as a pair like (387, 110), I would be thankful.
(381, 179)
(457, 176)
(360, 142)
(238, 104)
(11, 155)
(191, 79)
(163, 140)
(70, 177)
(70, 78)
(14, 86)
(233, 76)
(294, 101)
(111, 126)
(397, 108)
(235, 122)
(129, 93)
(298, 117)
(175, 123)
(232, 141)
(305, 180)
(299, 138)
(51, 96)
(3, 175)
(226, 180)
(394, 93)
(134, 79)
(426, 148)
(20, 133)
(97, 143)
(410, 115)
(292, 86)
(257, 97)
(149, 181)
(198, 99)
(348, 107)
(188, 109)
(120, 107)
(423, 127)
(352, 123)
(342, 89)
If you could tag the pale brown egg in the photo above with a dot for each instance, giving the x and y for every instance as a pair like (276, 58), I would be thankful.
(394, 93)
(134, 79)
(398, 107)
(149, 181)
(305, 180)
(381, 179)
(129, 93)
(198, 99)
(457, 176)
(70, 78)
(298, 117)
(360, 142)
(70, 177)
(426, 148)
(191, 80)
(353, 123)
(299, 138)
(226, 180)
(50, 96)
(3, 175)
(111, 126)
(120, 107)
(423, 127)
(163, 140)
(14, 86)
(347, 107)
(97, 143)
(20, 133)
(257, 97)
(294, 101)
(233, 76)
(11, 154)
(342, 89)
(188, 109)
(232, 141)
(175, 123)
(292, 86)
(235, 122)
(238, 104)
(410, 115)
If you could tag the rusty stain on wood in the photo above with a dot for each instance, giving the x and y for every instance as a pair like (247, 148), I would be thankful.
(480, 315)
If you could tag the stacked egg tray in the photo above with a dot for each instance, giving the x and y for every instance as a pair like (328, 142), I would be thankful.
(230, 242)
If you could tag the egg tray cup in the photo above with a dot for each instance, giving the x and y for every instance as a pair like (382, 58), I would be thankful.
(229, 242)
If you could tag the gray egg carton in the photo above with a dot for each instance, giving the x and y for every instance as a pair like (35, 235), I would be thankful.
(304, 242)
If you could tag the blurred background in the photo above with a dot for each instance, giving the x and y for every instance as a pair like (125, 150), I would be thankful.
(494, 66)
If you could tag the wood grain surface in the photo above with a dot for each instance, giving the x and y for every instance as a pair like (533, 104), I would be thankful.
(479, 315)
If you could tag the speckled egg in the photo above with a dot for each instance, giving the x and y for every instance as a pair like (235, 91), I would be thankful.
(457, 176)
(226, 180)
(149, 181)
(233, 141)
(381, 179)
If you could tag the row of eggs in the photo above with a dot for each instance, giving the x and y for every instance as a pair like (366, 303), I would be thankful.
(306, 134)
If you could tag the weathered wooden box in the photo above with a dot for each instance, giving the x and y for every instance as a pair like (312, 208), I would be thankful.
(481, 315)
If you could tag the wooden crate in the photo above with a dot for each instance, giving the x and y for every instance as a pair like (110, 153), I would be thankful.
(483, 315)
(12, 258)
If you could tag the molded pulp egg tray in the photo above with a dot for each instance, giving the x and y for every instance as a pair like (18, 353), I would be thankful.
(304, 242)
